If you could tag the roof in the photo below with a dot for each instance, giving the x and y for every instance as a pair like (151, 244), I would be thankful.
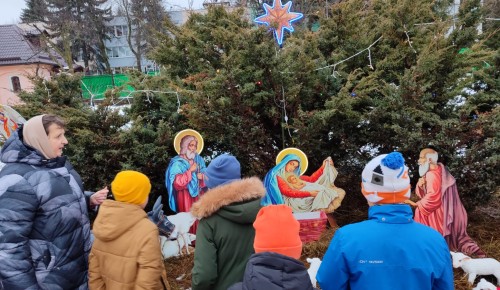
(16, 49)
(34, 28)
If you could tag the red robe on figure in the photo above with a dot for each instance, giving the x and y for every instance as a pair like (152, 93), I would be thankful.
(440, 208)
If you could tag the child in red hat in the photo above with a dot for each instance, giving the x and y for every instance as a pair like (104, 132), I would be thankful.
(278, 247)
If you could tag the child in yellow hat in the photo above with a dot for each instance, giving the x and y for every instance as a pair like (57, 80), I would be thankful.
(126, 252)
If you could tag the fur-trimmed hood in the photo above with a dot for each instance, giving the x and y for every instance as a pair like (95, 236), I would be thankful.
(238, 198)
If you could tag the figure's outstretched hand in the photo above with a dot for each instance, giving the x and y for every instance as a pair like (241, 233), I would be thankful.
(193, 167)
(314, 193)
(328, 160)
(98, 197)
(199, 175)
(411, 203)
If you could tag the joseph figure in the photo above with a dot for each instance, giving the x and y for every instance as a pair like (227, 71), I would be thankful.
(184, 175)
(440, 207)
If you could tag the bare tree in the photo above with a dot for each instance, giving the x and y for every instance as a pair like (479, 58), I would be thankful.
(144, 19)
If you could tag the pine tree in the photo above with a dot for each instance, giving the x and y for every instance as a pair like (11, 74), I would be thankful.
(80, 26)
(409, 99)
(378, 76)
(35, 11)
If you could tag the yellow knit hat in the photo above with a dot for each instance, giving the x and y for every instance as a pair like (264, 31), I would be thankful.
(131, 187)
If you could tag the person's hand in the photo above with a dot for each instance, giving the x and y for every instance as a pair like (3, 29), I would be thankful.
(199, 175)
(193, 167)
(98, 197)
(421, 182)
(328, 160)
(411, 203)
(314, 193)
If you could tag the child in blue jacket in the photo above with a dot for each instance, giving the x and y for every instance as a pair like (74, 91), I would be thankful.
(389, 250)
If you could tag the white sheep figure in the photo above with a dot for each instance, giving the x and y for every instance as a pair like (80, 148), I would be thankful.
(474, 267)
(484, 285)
(182, 221)
(173, 248)
(313, 269)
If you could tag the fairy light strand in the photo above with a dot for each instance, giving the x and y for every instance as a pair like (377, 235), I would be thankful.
(370, 59)
(354, 55)
(409, 41)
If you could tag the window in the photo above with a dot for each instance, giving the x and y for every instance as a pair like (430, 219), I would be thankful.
(120, 30)
(119, 51)
(16, 84)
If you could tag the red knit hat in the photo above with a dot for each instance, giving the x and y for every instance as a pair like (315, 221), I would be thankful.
(277, 230)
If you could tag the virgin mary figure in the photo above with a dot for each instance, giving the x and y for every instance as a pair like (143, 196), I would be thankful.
(286, 184)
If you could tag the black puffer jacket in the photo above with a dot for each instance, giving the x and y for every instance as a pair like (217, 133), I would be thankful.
(44, 225)
(273, 271)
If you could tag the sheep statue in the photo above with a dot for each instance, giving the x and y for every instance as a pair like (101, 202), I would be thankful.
(484, 285)
(173, 248)
(174, 229)
(183, 222)
(313, 269)
(474, 267)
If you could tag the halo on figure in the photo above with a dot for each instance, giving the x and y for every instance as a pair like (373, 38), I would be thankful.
(291, 150)
(181, 134)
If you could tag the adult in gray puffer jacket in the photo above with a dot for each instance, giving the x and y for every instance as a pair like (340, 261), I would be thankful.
(44, 224)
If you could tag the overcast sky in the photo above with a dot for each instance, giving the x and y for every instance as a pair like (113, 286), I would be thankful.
(10, 10)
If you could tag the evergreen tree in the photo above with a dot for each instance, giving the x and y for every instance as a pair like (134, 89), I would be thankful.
(409, 99)
(92, 134)
(35, 11)
(100, 143)
(376, 77)
(233, 79)
(79, 24)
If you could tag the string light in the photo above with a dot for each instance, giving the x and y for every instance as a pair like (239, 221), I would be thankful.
(334, 72)
(356, 54)
(409, 41)
(128, 96)
(370, 59)
(158, 92)
(284, 111)
(46, 89)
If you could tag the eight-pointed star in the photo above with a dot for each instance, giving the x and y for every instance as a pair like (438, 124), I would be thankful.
(279, 17)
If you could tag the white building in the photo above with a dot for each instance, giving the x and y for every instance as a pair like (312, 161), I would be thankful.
(118, 50)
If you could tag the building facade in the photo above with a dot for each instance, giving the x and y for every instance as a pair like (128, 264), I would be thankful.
(23, 56)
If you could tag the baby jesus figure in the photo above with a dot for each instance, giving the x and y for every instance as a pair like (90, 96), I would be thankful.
(323, 194)
(300, 184)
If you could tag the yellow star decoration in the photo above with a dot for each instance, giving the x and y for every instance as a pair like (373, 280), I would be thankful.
(279, 18)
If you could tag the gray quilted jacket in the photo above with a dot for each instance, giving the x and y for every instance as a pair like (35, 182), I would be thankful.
(44, 224)
(273, 271)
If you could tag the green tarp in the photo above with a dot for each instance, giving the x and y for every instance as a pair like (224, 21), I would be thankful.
(94, 87)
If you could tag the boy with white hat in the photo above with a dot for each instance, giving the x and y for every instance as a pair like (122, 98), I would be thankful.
(389, 250)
